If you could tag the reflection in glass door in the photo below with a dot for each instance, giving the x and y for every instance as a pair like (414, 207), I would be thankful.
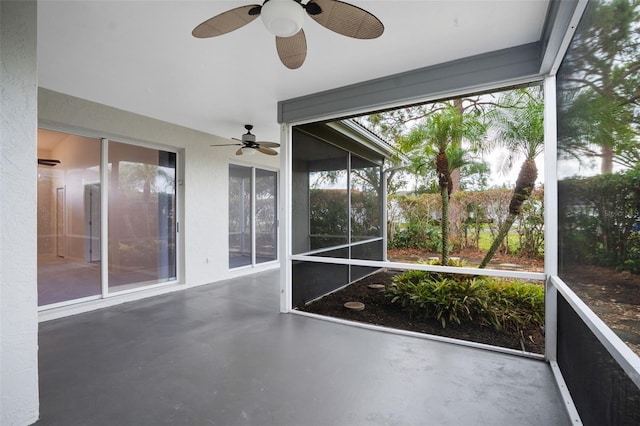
(240, 229)
(142, 216)
(266, 216)
(60, 232)
(253, 205)
(92, 202)
(66, 164)
(141, 209)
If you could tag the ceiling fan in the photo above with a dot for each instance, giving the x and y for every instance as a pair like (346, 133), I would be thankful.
(284, 19)
(249, 145)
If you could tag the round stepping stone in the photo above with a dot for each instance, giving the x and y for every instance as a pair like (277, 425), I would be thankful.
(354, 306)
(376, 286)
(511, 265)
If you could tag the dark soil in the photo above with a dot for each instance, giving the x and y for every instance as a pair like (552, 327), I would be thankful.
(380, 311)
(613, 296)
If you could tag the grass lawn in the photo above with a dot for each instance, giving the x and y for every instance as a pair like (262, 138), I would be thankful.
(486, 239)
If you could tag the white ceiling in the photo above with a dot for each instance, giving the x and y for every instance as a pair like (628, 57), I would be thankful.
(140, 55)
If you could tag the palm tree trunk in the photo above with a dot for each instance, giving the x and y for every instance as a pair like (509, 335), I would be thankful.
(444, 192)
(524, 185)
(444, 181)
(502, 233)
(606, 166)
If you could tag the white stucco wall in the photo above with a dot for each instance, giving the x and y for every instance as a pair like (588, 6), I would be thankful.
(203, 219)
(18, 125)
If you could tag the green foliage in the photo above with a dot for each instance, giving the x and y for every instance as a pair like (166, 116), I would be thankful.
(514, 304)
(519, 127)
(446, 300)
(597, 216)
(632, 262)
(411, 277)
(450, 262)
(420, 228)
(530, 228)
(416, 236)
(437, 141)
(502, 304)
(413, 222)
(518, 123)
(598, 86)
(329, 214)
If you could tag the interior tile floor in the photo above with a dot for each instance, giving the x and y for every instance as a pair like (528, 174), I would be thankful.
(221, 354)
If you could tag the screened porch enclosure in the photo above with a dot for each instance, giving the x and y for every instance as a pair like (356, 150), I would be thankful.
(589, 70)
(337, 209)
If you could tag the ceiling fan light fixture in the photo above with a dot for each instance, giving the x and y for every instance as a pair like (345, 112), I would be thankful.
(247, 151)
(283, 18)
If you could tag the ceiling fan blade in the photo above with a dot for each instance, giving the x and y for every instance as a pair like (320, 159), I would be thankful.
(267, 151)
(268, 144)
(346, 19)
(239, 152)
(227, 21)
(292, 50)
(228, 144)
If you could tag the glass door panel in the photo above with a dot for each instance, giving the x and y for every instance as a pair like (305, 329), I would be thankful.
(68, 266)
(142, 216)
(266, 216)
(240, 232)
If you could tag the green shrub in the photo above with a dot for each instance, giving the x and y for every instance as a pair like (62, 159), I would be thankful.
(597, 217)
(515, 304)
(415, 235)
(502, 304)
(632, 262)
(446, 300)
(415, 276)
(450, 262)
(412, 276)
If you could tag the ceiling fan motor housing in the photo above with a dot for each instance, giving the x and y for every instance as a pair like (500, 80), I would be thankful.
(249, 138)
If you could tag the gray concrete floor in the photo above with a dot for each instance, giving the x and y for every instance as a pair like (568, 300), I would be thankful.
(221, 354)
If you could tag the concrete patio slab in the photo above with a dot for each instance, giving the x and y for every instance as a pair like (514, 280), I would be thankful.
(221, 354)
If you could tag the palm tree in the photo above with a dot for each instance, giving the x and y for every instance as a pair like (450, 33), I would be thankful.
(603, 79)
(519, 128)
(436, 141)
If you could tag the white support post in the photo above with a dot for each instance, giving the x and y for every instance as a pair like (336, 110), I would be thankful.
(349, 229)
(384, 214)
(253, 217)
(285, 217)
(550, 216)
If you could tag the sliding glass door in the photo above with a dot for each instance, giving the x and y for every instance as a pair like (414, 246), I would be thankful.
(142, 216)
(76, 260)
(252, 216)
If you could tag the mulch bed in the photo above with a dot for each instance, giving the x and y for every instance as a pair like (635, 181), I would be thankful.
(614, 296)
(380, 311)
